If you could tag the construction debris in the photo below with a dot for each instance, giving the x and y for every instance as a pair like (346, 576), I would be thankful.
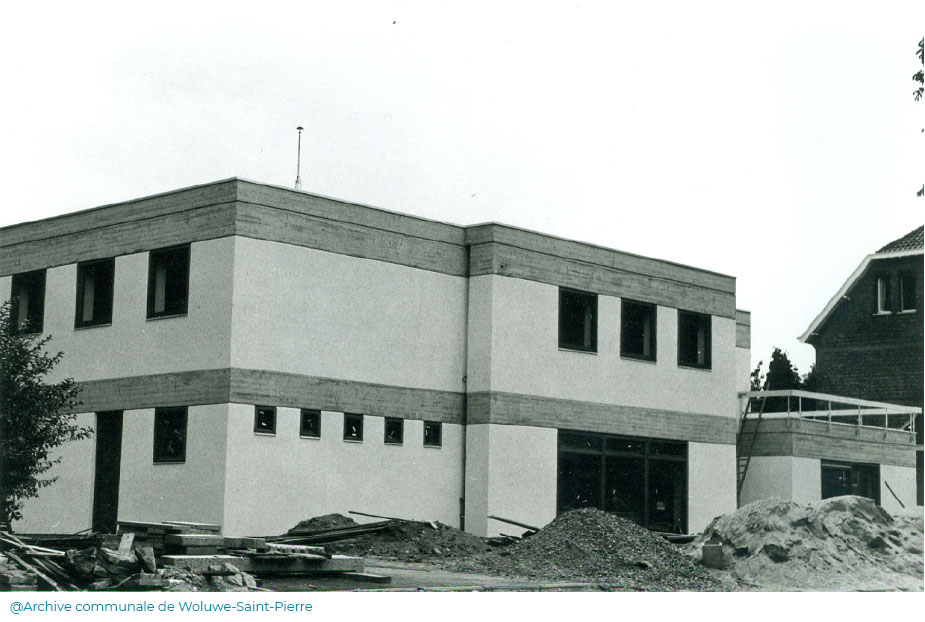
(592, 545)
(841, 543)
(394, 538)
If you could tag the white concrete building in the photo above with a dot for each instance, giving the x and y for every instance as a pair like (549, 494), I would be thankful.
(253, 356)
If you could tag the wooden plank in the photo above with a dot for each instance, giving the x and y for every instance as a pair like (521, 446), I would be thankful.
(264, 565)
(234, 542)
(516, 409)
(197, 526)
(194, 539)
(503, 260)
(125, 543)
(34, 570)
(367, 577)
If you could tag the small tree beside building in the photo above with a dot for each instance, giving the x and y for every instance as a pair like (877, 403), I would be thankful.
(35, 416)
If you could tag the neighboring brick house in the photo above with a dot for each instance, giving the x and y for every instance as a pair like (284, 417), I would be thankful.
(869, 337)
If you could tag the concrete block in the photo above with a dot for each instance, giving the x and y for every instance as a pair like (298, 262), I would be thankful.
(713, 556)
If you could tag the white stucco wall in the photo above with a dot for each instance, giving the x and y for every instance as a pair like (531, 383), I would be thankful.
(192, 491)
(133, 345)
(743, 369)
(274, 481)
(711, 483)
(902, 481)
(767, 476)
(806, 478)
(525, 357)
(67, 505)
(311, 312)
(521, 467)
(478, 362)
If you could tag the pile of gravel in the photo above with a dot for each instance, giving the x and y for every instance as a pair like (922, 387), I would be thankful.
(590, 545)
(842, 543)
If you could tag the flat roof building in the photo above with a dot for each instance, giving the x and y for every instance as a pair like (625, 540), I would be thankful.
(252, 356)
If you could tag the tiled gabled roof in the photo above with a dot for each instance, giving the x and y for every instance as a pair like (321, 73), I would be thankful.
(910, 241)
(909, 244)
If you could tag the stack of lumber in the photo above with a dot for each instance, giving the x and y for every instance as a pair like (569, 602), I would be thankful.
(155, 534)
(272, 559)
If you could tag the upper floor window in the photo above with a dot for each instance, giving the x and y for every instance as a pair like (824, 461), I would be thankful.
(94, 292)
(883, 294)
(577, 320)
(637, 330)
(694, 339)
(170, 434)
(168, 281)
(28, 301)
(907, 283)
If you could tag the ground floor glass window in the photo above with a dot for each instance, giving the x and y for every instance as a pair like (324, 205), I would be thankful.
(643, 480)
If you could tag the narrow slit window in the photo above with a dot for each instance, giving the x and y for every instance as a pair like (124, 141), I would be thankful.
(394, 431)
(353, 427)
(94, 293)
(433, 434)
(637, 332)
(694, 340)
(883, 294)
(264, 420)
(310, 425)
(168, 281)
(170, 434)
(577, 320)
(27, 310)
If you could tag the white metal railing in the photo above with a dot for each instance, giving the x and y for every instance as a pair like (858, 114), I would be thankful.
(853, 413)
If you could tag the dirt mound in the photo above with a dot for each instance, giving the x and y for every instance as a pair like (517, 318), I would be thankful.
(412, 542)
(591, 545)
(842, 543)
(323, 523)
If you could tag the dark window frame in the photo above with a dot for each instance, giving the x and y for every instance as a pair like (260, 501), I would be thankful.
(314, 413)
(171, 308)
(565, 294)
(703, 320)
(433, 425)
(258, 429)
(393, 421)
(905, 279)
(34, 323)
(355, 417)
(102, 313)
(625, 326)
(161, 420)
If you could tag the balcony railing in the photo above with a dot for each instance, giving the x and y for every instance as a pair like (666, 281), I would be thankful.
(834, 409)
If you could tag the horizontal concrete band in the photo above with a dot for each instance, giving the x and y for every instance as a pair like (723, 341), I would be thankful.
(512, 261)
(237, 207)
(247, 386)
(816, 439)
(529, 410)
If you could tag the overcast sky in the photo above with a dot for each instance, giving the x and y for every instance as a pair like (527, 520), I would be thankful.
(779, 145)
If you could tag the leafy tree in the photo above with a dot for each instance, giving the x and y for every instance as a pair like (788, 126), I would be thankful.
(782, 375)
(35, 417)
(919, 78)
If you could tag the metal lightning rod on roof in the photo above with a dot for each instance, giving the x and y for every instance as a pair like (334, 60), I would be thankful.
(298, 165)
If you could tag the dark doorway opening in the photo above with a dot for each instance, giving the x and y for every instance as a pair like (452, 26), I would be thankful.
(848, 478)
(106, 480)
